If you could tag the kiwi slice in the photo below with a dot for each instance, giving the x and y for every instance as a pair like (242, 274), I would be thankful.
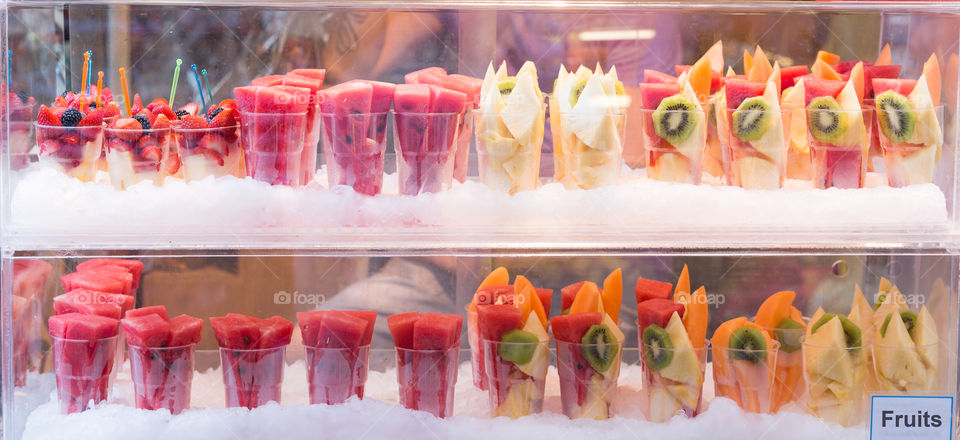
(674, 119)
(880, 300)
(577, 90)
(788, 333)
(895, 116)
(825, 120)
(506, 86)
(850, 330)
(748, 344)
(599, 347)
(657, 348)
(751, 119)
(565, 312)
(909, 319)
(519, 346)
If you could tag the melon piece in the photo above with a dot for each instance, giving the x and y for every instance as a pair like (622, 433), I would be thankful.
(185, 330)
(410, 102)
(931, 71)
(268, 80)
(87, 305)
(235, 331)
(760, 67)
(572, 327)
(442, 130)
(339, 330)
(467, 85)
(146, 331)
(884, 58)
(872, 71)
(652, 93)
(775, 309)
(82, 327)
(495, 320)
(401, 328)
(126, 302)
(430, 75)
(656, 311)
(568, 294)
(381, 98)
(246, 98)
(716, 79)
(655, 77)
(651, 289)
(546, 298)
(279, 99)
(274, 332)
(369, 318)
(738, 90)
(160, 311)
(99, 280)
(135, 267)
(789, 75)
(434, 331)
(821, 87)
(310, 73)
(827, 57)
(901, 86)
(822, 70)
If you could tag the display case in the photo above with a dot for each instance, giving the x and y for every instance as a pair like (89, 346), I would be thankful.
(797, 160)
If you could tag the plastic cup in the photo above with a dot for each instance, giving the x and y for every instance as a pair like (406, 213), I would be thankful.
(906, 370)
(753, 168)
(136, 155)
(505, 164)
(461, 163)
(83, 368)
(252, 377)
(584, 391)
(788, 384)
(311, 141)
(162, 376)
(426, 143)
(71, 150)
(746, 376)
(835, 377)
(667, 394)
(666, 162)
(335, 374)
(515, 392)
(838, 164)
(713, 151)
(476, 350)
(272, 145)
(588, 166)
(21, 132)
(910, 163)
(209, 152)
(427, 379)
(353, 147)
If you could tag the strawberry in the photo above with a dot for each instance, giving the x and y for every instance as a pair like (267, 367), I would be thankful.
(159, 107)
(117, 144)
(106, 96)
(173, 163)
(58, 112)
(191, 108)
(71, 137)
(161, 121)
(61, 101)
(150, 115)
(191, 122)
(158, 101)
(94, 119)
(46, 117)
(210, 154)
(228, 103)
(137, 104)
(48, 147)
(225, 118)
(128, 129)
(112, 109)
(151, 153)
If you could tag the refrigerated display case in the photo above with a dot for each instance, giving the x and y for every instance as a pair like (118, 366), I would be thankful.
(676, 184)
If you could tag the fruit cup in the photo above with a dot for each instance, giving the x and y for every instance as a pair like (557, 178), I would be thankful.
(335, 374)
(593, 162)
(354, 145)
(83, 368)
(21, 131)
(476, 350)
(746, 375)
(516, 386)
(910, 370)
(673, 380)
(252, 377)
(838, 142)
(135, 154)
(425, 145)
(834, 377)
(758, 157)
(910, 155)
(272, 146)
(461, 162)
(311, 143)
(588, 389)
(71, 150)
(674, 141)
(713, 162)
(427, 379)
(209, 152)
(506, 163)
(788, 385)
(162, 376)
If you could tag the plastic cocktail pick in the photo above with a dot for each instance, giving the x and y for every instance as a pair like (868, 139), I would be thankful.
(207, 82)
(99, 86)
(9, 64)
(176, 77)
(196, 76)
(126, 95)
(83, 81)
(90, 70)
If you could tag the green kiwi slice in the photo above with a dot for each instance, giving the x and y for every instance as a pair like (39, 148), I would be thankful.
(506, 86)
(657, 348)
(788, 333)
(519, 346)
(895, 116)
(850, 330)
(600, 347)
(909, 319)
(826, 121)
(880, 300)
(577, 90)
(748, 344)
(674, 119)
(751, 119)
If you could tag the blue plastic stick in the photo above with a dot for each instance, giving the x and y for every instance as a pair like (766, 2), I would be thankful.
(90, 70)
(9, 64)
(196, 76)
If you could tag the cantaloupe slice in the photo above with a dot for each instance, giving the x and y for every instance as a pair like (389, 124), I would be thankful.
(700, 75)
(931, 71)
(856, 76)
(827, 57)
(524, 289)
(696, 317)
(715, 55)
(775, 309)
(612, 294)
(760, 68)
(683, 283)
(587, 299)
(822, 70)
(498, 277)
(721, 336)
(775, 78)
(884, 59)
(730, 72)
(796, 315)
(794, 101)
(747, 61)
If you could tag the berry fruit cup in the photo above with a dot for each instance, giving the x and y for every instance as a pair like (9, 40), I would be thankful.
(839, 142)
(71, 150)
(21, 130)
(674, 141)
(83, 370)
(336, 374)
(911, 140)
(162, 376)
(252, 378)
(209, 152)
(516, 390)
(136, 152)
(354, 147)
(585, 391)
(673, 380)
(427, 379)
(272, 146)
(426, 144)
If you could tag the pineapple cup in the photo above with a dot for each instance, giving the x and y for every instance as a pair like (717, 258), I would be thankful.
(673, 381)
(746, 376)
(835, 377)
(911, 160)
(506, 163)
(516, 389)
(587, 148)
(586, 392)
(906, 370)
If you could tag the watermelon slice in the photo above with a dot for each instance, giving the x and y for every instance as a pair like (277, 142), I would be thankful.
(401, 328)
(335, 375)
(273, 130)
(147, 331)
(652, 289)
(135, 267)
(185, 330)
(100, 280)
(414, 130)
(78, 326)
(901, 86)
(490, 294)
(846, 66)
(354, 137)
(275, 332)
(87, 305)
(337, 330)
(495, 320)
(568, 294)
(738, 90)
(870, 72)
(161, 357)
(571, 328)
(546, 298)
(652, 93)
(467, 85)
(84, 347)
(789, 75)
(370, 318)
(310, 73)
(656, 311)
(821, 87)
(430, 75)
(655, 77)
(252, 354)
(308, 156)
(266, 81)
(160, 311)
(435, 331)
(126, 302)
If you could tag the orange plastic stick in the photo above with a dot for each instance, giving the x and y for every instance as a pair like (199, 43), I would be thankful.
(126, 95)
(99, 86)
(83, 82)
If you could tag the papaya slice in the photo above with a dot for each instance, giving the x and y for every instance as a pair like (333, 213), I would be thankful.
(715, 55)
(931, 71)
(498, 277)
(683, 283)
(612, 294)
(822, 70)
(530, 301)
(700, 77)
(695, 317)
(884, 59)
(747, 62)
(587, 300)
(775, 78)
(856, 77)
(827, 57)
(775, 309)
(760, 68)
(796, 315)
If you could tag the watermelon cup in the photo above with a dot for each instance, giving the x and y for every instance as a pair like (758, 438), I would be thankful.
(311, 79)
(426, 120)
(84, 347)
(506, 164)
(273, 128)
(30, 279)
(428, 356)
(682, 163)
(209, 151)
(837, 165)
(910, 163)
(252, 355)
(337, 347)
(515, 391)
(137, 150)
(749, 377)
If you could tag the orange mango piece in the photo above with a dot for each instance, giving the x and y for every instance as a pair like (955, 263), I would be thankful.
(796, 315)
(529, 301)
(696, 317)
(856, 77)
(498, 277)
(683, 283)
(587, 299)
(721, 367)
(823, 70)
(721, 336)
(747, 61)
(884, 59)
(612, 294)
(761, 68)
(700, 75)
(827, 57)
(775, 309)
(715, 55)
(775, 77)
(931, 71)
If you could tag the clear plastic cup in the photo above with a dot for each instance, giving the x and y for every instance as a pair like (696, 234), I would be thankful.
(162, 376)
(683, 162)
(746, 376)
(584, 391)
(837, 163)
(272, 145)
(135, 156)
(759, 168)
(909, 162)
(427, 379)
(461, 162)
(713, 151)
(588, 166)
(83, 369)
(515, 391)
(669, 392)
(476, 350)
(835, 377)
(336, 374)
(209, 152)
(505, 164)
(906, 370)
(252, 377)
(353, 147)
(311, 142)
(21, 132)
(425, 144)
(71, 150)
(788, 385)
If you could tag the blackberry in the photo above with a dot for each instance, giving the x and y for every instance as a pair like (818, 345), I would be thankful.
(214, 114)
(143, 120)
(71, 117)
(23, 97)
(182, 113)
(64, 94)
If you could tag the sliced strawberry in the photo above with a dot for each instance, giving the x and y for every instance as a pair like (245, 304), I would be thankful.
(113, 110)
(46, 117)
(117, 144)
(137, 104)
(210, 154)
(191, 108)
(159, 107)
(173, 163)
(228, 103)
(162, 121)
(192, 122)
(71, 137)
(151, 152)
(158, 101)
(94, 119)
(226, 118)
(49, 146)
(128, 129)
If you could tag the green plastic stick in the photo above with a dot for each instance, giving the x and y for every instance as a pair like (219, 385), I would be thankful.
(176, 76)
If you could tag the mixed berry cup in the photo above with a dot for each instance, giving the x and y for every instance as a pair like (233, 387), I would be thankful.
(136, 154)
(252, 378)
(71, 150)
(162, 376)
(336, 374)
(209, 152)
(354, 147)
